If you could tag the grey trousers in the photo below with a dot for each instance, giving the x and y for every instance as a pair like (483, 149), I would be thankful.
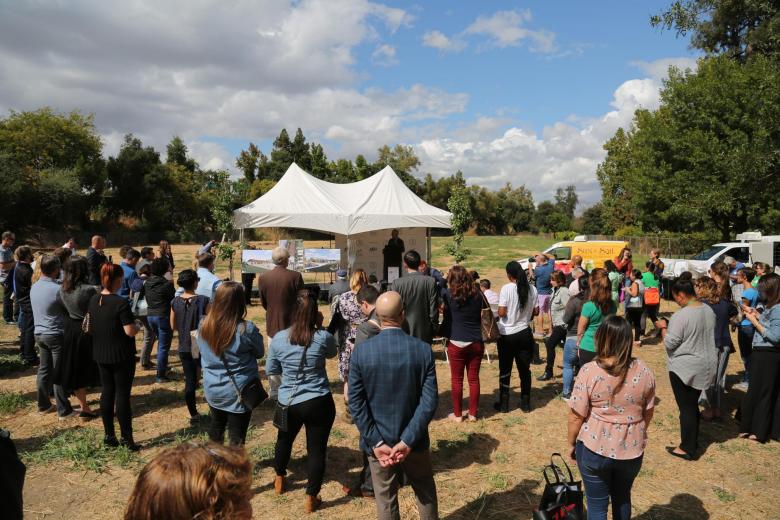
(50, 352)
(713, 396)
(148, 343)
(415, 470)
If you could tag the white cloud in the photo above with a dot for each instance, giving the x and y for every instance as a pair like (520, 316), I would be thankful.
(384, 55)
(506, 28)
(439, 40)
(491, 154)
(659, 69)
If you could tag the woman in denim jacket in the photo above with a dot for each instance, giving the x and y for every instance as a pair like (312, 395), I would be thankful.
(226, 337)
(761, 407)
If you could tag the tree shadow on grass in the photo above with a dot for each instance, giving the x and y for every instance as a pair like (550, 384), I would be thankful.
(517, 502)
(463, 451)
(681, 507)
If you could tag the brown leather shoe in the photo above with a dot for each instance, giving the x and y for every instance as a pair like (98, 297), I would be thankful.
(279, 485)
(312, 503)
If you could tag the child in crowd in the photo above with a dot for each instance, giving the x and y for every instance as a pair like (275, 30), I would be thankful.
(149, 336)
(187, 309)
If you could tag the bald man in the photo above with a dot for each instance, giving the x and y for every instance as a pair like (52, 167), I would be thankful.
(96, 258)
(392, 398)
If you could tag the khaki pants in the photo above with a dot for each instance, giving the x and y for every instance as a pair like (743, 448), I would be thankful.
(415, 470)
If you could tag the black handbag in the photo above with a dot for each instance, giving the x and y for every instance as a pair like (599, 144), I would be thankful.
(252, 394)
(281, 412)
(561, 499)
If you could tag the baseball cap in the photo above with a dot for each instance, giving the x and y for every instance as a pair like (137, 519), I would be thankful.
(341, 273)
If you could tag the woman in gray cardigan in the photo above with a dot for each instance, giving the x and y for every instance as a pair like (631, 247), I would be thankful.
(689, 337)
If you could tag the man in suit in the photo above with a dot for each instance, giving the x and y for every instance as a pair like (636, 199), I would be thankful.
(96, 258)
(278, 291)
(420, 298)
(392, 397)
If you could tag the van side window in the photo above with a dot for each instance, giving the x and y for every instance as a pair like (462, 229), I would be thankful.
(740, 254)
(561, 253)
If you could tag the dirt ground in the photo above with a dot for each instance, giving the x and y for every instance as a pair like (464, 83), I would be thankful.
(488, 469)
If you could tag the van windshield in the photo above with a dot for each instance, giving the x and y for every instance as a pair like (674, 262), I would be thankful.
(708, 253)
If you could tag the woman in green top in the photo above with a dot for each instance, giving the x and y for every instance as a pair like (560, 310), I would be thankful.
(650, 281)
(614, 280)
(761, 269)
(599, 305)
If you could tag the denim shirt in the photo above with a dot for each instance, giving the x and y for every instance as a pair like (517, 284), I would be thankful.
(284, 359)
(241, 357)
(770, 339)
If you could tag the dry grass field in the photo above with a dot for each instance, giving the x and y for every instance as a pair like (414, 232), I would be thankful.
(490, 469)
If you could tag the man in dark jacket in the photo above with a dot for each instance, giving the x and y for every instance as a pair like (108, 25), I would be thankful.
(159, 292)
(278, 291)
(420, 297)
(22, 284)
(96, 258)
(392, 397)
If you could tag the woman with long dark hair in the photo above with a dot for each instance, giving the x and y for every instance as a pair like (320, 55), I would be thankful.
(230, 346)
(77, 370)
(113, 349)
(599, 305)
(298, 354)
(761, 407)
(517, 305)
(463, 303)
(611, 407)
(689, 339)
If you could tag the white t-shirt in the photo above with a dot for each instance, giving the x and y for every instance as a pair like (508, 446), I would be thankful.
(516, 319)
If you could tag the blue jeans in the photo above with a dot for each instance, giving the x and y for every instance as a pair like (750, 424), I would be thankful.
(27, 340)
(606, 478)
(570, 362)
(161, 326)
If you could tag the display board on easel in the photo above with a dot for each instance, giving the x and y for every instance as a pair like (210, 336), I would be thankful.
(365, 249)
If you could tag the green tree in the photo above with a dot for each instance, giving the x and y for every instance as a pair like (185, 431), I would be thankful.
(567, 200)
(177, 154)
(247, 161)
(319, 162)
(706, 158)
(403, 161)
(127, 177)
(281, 155)
(735, 28)
(518, 207)
(460, 207)
(550, 218)
(299, 149)
(593, 222)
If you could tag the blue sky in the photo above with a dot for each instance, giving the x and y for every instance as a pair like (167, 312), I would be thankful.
(519, 92)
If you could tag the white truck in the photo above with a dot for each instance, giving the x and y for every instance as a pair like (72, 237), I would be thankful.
(751, 247)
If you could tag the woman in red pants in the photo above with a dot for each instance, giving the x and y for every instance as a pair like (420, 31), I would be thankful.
(463, 302)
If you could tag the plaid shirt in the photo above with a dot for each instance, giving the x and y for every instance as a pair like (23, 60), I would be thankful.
(393, 392)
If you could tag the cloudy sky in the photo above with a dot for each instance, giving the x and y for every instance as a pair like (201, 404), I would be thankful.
(506, 91)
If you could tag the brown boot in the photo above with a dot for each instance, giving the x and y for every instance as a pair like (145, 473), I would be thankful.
(312, 503)
(279, 485)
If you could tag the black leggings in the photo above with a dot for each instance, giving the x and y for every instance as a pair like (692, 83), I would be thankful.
(634, 316)
(191, 368)
(237, 426)
(515, 348)
(761, 406)
(317, 415)
(687, 398)
(117, 380)
(555, 339)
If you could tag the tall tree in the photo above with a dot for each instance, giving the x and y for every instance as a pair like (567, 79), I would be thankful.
(319, 162)
(593, 222)
(299, 149)
(735, 28)
(177, 154)
(567, 200)
(459, 206)
(403, 161)
(281, 155)
(247, 161)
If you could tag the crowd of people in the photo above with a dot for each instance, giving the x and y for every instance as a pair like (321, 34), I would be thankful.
(78, 318)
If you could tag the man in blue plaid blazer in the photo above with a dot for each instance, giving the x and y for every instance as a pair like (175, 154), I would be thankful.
(392, 397)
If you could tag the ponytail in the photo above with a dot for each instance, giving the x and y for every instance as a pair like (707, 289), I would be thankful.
(516, 271)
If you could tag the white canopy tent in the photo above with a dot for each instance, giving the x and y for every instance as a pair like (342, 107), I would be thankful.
(379, 202)
(301, 201)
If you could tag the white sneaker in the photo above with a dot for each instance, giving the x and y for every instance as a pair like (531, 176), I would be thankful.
(741, 386)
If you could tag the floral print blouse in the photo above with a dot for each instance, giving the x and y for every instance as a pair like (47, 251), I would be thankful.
(614, 426)
(353, 316)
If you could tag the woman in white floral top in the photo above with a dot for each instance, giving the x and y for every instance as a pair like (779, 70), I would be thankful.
(610, 408)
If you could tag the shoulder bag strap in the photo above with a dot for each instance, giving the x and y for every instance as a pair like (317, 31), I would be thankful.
(227, 369)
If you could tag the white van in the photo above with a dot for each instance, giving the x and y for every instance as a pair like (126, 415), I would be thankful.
(752, 247)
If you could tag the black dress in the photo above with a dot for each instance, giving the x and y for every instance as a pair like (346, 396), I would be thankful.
(77, 368)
